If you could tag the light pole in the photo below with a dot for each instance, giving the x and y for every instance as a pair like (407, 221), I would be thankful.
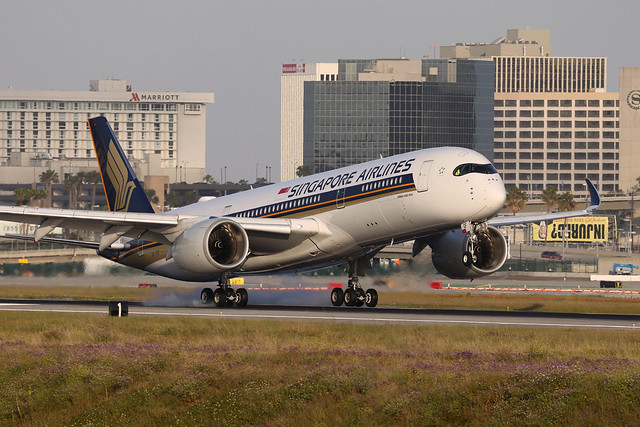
(185, 163)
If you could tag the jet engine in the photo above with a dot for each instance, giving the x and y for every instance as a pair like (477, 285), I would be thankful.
(454, 255)
(212, 246)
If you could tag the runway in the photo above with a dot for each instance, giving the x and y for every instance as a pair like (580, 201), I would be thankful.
(345, 315)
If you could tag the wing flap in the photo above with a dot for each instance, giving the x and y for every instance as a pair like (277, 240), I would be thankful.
(71, 242)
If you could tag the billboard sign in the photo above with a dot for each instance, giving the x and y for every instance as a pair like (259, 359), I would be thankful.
(578, 229)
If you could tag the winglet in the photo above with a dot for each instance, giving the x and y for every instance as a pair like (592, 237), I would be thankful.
(595, 197)
(121, 186)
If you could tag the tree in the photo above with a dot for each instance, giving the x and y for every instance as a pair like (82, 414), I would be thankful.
(71, 184)
(209, 180)
(80, 180)
(566, 202)
(93, 177)
(37, 195)
(550, 197)
(303, 170)
(261, 180)
(176, 199)
(243, 182)
(21, 194)
(48, 178)
(516, 200)
(152, 196)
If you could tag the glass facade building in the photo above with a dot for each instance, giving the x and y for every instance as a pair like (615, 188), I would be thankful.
(370, 112)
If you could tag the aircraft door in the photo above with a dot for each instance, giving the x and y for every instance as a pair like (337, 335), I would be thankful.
(422, 183)
(340, 198)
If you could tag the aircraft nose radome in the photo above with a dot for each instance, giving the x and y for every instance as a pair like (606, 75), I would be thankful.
(499, 196)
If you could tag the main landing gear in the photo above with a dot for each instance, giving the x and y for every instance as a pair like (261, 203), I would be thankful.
(354, 295)
(224, 295)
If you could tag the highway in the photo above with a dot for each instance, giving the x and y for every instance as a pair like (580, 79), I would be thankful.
(343, 314)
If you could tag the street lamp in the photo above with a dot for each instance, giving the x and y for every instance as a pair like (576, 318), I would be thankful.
(184, 162)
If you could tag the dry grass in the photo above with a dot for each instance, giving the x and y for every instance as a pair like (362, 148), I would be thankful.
(88, 369)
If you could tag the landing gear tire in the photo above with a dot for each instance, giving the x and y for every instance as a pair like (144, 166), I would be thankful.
(206, 296)
(219, 297)
(242, 297)
(360, 297)
(467, 259)
(337, 297)
(231, 297)
(350, 297)
(371, 298)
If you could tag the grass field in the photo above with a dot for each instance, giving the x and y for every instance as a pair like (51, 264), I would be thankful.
(95, 370)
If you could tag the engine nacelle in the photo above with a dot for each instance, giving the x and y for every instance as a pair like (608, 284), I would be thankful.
(212, 246)
(448, 249)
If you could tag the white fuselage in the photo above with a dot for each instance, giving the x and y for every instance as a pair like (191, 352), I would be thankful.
(364, 206)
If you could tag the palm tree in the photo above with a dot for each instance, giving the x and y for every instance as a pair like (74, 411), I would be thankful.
(303, 170)
(550, 197)
(21, 194)
(71, 184)
(516, 200)
(48, 178)
(80, 180)
(153, 198)
(209, 180)
(93, 177)
(566, 202)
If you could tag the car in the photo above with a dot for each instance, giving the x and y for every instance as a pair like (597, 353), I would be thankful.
(550, 255)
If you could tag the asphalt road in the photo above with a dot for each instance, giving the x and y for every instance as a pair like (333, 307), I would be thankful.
(344, 314)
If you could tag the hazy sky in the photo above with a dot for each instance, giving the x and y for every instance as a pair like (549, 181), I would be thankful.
(235, 49)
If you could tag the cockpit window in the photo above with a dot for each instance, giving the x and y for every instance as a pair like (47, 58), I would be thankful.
(474, 168)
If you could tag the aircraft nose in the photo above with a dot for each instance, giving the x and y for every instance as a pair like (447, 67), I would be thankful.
(498, 196)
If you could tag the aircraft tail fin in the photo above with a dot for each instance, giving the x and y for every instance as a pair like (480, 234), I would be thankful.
(121, 186)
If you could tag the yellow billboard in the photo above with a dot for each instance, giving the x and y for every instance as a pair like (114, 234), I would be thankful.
(578, 229)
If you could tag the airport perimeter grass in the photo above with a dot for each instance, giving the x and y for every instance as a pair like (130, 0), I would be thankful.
(78, 369)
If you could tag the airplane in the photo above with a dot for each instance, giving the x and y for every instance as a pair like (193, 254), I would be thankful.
(446, 198)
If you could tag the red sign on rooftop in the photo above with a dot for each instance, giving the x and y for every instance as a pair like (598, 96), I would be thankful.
(293, 68)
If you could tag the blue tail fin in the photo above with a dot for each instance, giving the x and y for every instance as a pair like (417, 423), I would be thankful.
(122, 188)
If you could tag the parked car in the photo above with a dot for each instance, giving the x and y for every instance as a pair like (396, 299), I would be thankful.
(550, 255)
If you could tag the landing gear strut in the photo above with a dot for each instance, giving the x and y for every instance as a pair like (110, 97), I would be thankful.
(354, 295)
(224, 295)
(471, 255)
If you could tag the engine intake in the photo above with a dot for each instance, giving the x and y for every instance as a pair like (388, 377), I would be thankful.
(448, 249)
(212, 246)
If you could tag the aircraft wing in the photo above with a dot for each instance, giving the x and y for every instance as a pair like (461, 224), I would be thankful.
(161, 228)
(71, 242)
(523, 219)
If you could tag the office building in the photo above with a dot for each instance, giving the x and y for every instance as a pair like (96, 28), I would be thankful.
(380, 107)
(555, 123)
(629, 100)
(292, 110)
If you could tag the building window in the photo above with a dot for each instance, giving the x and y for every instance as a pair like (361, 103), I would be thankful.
(192, 108)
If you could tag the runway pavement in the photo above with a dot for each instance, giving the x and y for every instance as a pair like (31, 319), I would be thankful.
(344, 314)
